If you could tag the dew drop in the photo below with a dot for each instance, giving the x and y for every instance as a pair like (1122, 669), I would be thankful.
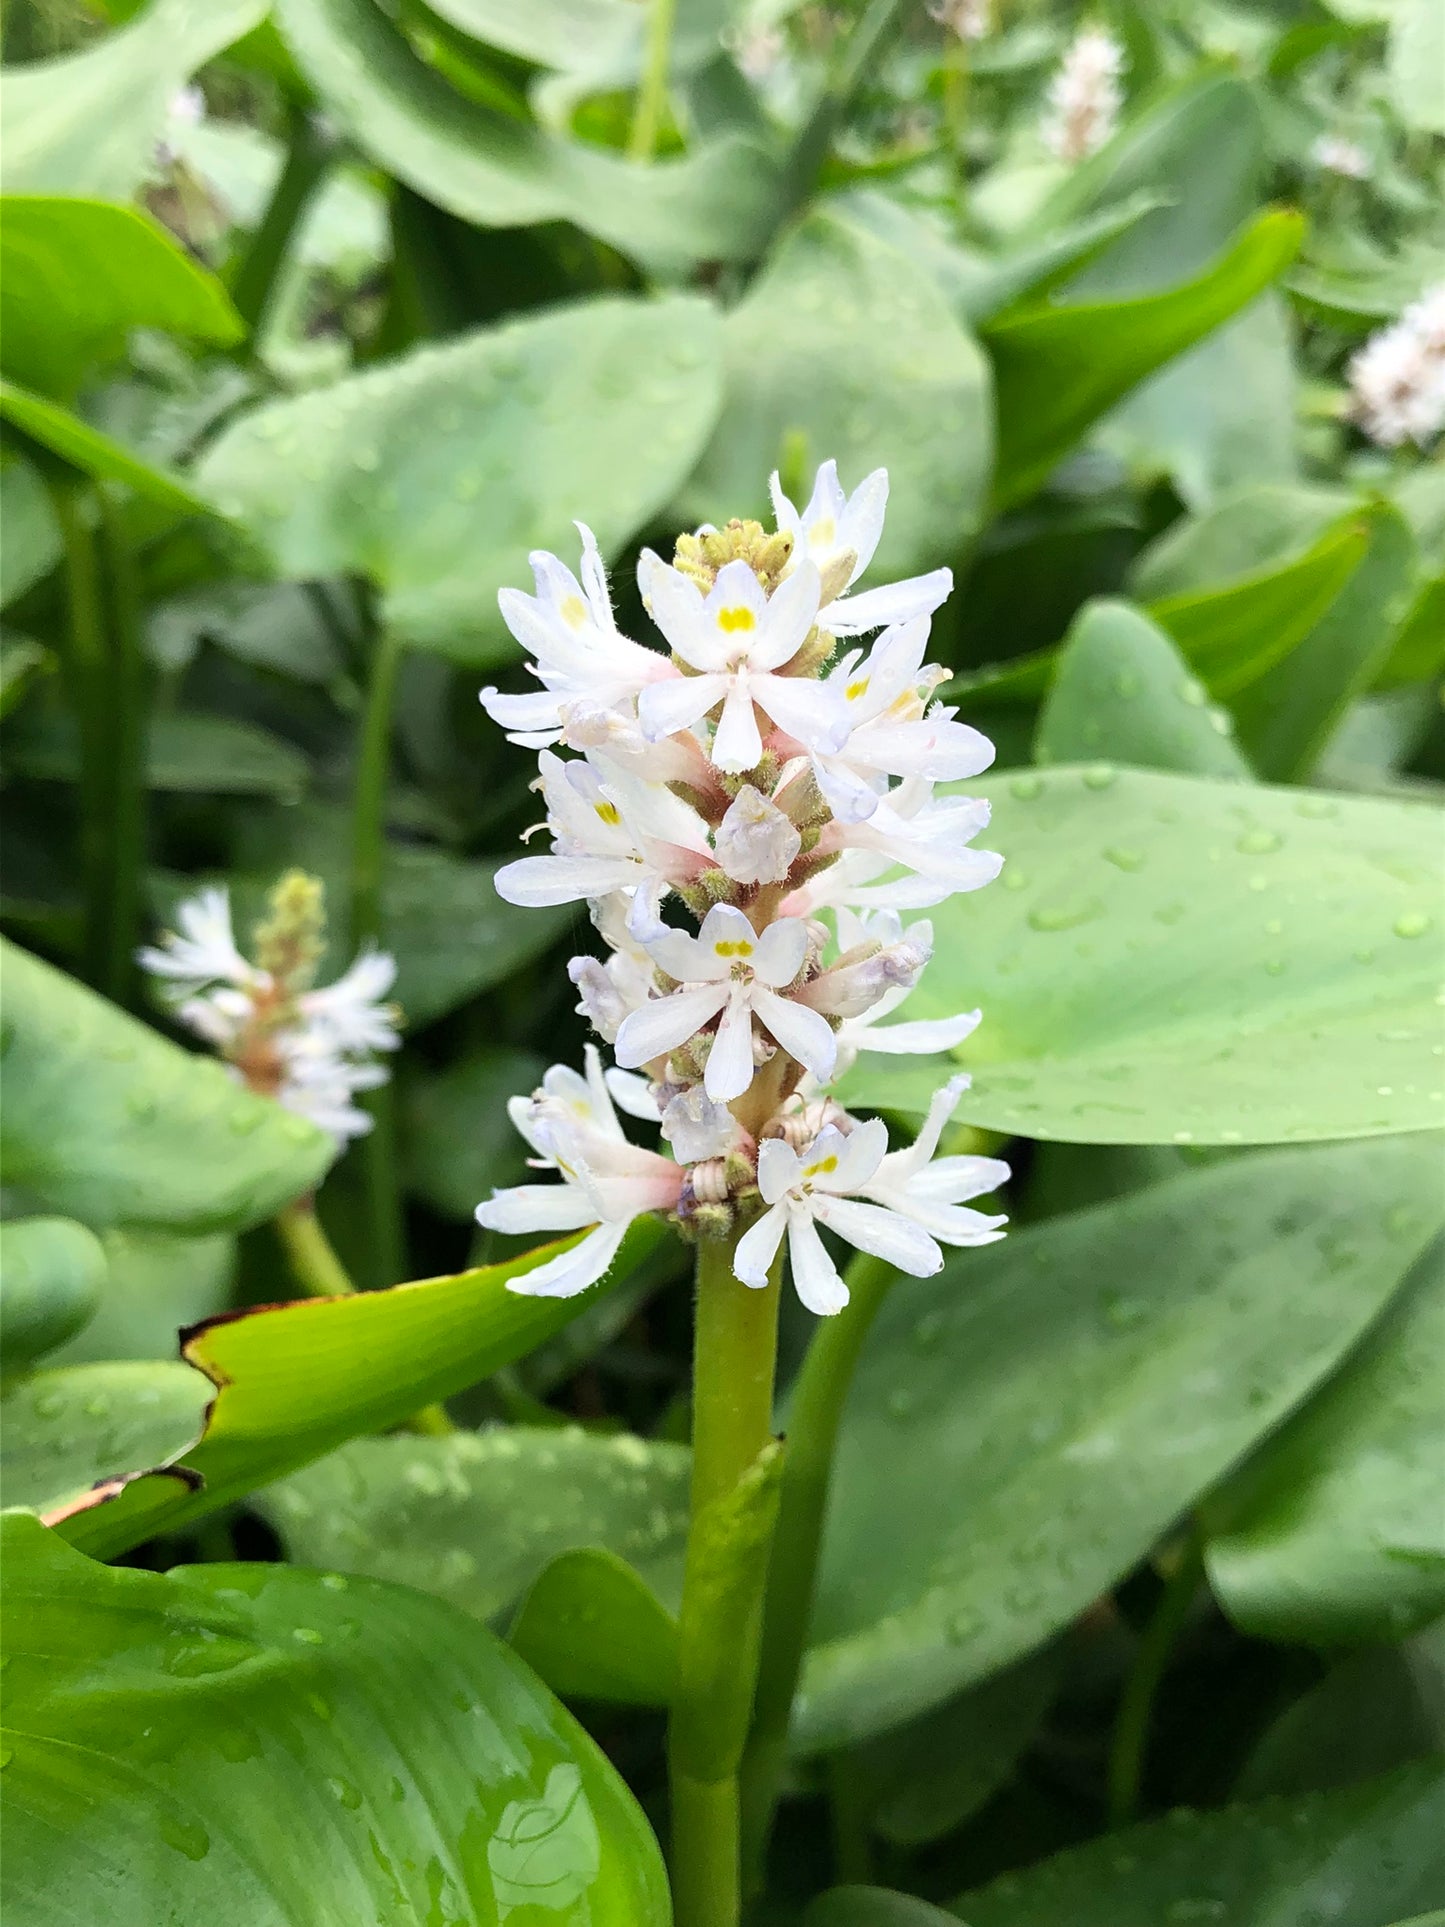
(186, 1836)
(1414, 923)
(1122, 859)
(1100, 776)
(1026, 788)
(1258, 842)
(1065, 916)
(307, 1635)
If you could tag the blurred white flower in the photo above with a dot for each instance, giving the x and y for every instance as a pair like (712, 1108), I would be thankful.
(969, 19)
(1397, 380)
(1338, 155)
(1085, 96)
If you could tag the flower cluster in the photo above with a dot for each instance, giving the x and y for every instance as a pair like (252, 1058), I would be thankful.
(969, 19)
(1397, 380)
(1084, 96)
(310, 1049)
(775, 780)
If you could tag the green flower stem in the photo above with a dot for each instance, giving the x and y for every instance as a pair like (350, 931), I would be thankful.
(652, 94)
(813, 1420)
(955, 108)
(735, 1468)
(368, 850)
(85, 674)
(858, 54)
(308, 154)
(128, 733)
(1131, 1729)
(310, 1253)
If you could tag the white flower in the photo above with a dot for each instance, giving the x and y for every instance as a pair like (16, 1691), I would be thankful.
(351, 1013)
(1398, 377)
(869, 972)
(810, 1188)
(1085, 96)
(894, 730)
(737, 638)
(581, 656)
(932, 1190)
(838, 533)
(925, 834)
(756, 842)
(1337, 155)
(696, 1128)
(729, 969)
(607, 1182)
(616, 835)
(319, 1083)
(969, 19)
(204, 949)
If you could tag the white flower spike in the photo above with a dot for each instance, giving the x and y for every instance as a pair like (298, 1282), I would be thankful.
(761, 776)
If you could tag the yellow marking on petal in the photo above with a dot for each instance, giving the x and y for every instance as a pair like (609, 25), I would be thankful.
(735, 619)
(857, 689)
(609, 813)
(574, 611)
(824, 533)
(823, 1164)
(741, 948)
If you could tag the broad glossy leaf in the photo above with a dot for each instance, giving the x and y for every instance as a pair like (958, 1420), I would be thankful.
(186, 753)
(1167, 959)
(1057, 369)
(1359, 1857)
(52, 1275)
(296, 1380)
(460, 1143)
(1252, 531)
(1287, 717)
(482, 1519)
(1024, 1427)
(846, 342)
(179, 1738)
(1335, 1532)
(484, 165)
(77, 276)
(594, 1629)
(1123, 691)
(552, 33)
(87, 122)
(92, 452)
(155, 1285)
(109, 1122)
(66, 1428)
(435, 474)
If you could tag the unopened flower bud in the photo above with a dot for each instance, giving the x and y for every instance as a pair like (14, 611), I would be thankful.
(598, 998)
(697, 1128)
(756, 842)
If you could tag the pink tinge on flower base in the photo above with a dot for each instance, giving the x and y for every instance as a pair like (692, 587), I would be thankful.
(779, 790)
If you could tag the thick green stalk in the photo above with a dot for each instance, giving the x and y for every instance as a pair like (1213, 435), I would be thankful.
(368, 852)
(1131, 1728)
(652, 93)
(308, 154)
(857, 54)
(128, 733)
(310, 1253)
(813, 1420)
(85, 675)
(734, 1499)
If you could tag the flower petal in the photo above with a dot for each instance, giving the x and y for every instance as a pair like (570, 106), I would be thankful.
(758, 1247)
(575, 1270)
(666, 1022)
(873, 1228)
(801, 1032)
(815, 1276)
(729, 1068)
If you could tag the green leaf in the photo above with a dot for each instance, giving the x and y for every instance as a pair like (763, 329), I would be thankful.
(1254, 531)
(1025, 1426)
(177, 1737)
(1416, 64)
(186, 754)
(155, 1285)
(1122, 690)
(22, 662)
(480, 163)
(460, 1143)
(594, 1629)
(476, 1516)
(435, 474)
(1359, 1857)
(87, 123)
(108, 1122)
(1374, 1710)
(52, 1274)
(845, 345)
(552, 33)
(1417, 652)
(85, 448)
(1057, 369)
(69, 1428)
(295, 1381)
(872, 1907)
(1287, 716)
(32, 545)
(77, 276)
(1334, 1534)
(1167, 959)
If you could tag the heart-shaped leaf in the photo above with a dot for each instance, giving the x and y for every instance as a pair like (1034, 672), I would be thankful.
(174, 1737)
(77, 276)
(1167, 959)
(908, 391)
(435, 474)
(1023, 1427)
(110, 1123)
(52, 1275)
(1334, 1533)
